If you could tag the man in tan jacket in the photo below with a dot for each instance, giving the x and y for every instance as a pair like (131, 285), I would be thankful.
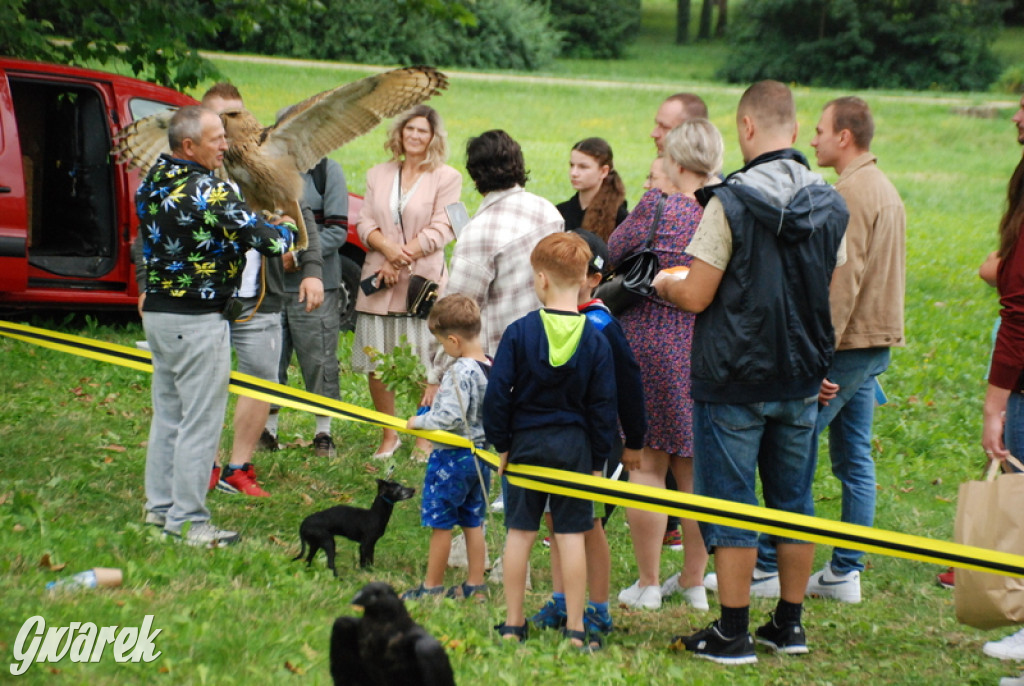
(866, 298)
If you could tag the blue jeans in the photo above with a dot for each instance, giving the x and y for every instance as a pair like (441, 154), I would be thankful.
(1013, 431)
(849, 418)
(733, 444)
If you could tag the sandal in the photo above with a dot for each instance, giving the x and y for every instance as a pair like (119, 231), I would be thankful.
(466, 590)
(421, 591)
(590, 642)
(520, 632)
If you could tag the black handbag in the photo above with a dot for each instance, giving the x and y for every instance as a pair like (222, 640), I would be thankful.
(631, 281)
(421, 296)
(422, 293)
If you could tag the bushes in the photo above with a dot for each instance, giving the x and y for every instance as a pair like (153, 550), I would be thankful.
(507, 34)
(596, 28)
(918, 44)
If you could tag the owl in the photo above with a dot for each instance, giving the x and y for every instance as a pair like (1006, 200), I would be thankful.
(267, 162)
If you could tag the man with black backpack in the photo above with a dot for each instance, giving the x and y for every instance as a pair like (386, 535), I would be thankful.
(313, 335)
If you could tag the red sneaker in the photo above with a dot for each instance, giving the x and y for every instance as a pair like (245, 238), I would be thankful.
(673, 539)
(241, 480)
(214, 478)
(945, 579)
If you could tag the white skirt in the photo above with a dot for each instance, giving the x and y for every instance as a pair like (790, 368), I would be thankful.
(384, 333)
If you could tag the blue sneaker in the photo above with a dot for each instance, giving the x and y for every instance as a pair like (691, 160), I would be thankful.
(596, 621)
(549, 617)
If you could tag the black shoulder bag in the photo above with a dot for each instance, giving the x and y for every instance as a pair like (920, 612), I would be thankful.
(630, 281)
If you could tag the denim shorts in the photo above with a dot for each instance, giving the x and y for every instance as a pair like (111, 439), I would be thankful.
(452, 493)
(734, 444)
(558, 447)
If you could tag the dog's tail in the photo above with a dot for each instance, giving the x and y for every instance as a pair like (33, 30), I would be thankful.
(302, 550)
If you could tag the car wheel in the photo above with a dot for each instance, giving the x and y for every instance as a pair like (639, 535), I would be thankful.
(350, 271)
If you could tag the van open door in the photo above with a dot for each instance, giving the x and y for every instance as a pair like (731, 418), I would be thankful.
(14, 219)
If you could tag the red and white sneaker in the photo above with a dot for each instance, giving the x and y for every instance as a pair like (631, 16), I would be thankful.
(214, 478)
(241, 480)
(947, 578)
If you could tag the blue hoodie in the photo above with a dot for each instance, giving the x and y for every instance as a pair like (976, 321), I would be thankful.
(531, 386)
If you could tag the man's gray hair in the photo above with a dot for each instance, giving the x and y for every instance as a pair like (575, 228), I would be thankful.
(186, 123)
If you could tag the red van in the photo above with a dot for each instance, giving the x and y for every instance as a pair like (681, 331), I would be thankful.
(67, 212)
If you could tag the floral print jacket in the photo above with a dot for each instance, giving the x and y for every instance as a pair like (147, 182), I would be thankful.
(195, 230)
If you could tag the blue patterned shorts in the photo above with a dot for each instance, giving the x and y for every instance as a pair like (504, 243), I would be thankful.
(452, 493)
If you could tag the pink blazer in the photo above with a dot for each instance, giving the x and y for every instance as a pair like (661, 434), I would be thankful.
(424, 217)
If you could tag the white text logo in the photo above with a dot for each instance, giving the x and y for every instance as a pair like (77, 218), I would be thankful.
(81, 642)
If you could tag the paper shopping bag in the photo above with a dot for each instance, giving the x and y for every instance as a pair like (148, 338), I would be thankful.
(989, 514)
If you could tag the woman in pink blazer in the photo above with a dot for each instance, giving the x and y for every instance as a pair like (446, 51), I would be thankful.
(405, 229)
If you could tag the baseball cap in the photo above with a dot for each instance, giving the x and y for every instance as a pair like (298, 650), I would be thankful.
(598, 251)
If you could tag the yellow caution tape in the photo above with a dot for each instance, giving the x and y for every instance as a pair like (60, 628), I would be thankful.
(701, 508)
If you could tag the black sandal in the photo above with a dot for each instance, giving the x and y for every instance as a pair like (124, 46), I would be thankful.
(590, 642)
(520, 632)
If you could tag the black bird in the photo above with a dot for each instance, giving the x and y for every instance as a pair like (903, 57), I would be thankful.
(385, 647)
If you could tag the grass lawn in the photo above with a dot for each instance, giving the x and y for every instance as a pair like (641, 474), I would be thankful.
(73, 432)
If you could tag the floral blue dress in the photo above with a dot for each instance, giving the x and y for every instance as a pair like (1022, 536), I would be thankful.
(659, 333)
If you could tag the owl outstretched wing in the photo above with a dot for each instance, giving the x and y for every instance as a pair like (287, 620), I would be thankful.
(314, 127)
(141, 143)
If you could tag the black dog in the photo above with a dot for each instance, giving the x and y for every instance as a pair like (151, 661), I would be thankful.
(364, 527)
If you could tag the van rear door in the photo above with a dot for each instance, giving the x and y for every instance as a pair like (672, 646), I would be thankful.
(13, 208)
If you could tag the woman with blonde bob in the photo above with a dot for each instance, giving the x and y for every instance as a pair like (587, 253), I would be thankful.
(660, 336)
(405, 229)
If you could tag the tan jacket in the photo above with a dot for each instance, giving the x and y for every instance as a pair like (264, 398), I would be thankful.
(867, 292)
(424, 217)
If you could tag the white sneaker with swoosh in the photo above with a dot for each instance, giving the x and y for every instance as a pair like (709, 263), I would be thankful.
(828, 584)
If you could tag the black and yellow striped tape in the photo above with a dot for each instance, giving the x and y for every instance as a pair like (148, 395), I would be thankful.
(568, 483)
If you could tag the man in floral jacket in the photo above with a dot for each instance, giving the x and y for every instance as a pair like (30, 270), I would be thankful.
(195, 230)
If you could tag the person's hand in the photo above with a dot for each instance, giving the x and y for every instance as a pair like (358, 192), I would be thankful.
(394, 254)
(428, 395)
(502, 463)
(282, 219)
(632, 458)
(290, 262)
(142, 300)
(311, 292)
(388, 275)
(409, 422)
(828, 391)
(994, 422)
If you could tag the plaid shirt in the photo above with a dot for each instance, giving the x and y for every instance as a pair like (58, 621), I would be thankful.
(491, 261)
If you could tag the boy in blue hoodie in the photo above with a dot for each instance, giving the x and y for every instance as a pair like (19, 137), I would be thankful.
(551, 402)
(633, 422)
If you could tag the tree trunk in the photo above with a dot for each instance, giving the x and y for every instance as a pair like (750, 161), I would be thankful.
(682, 22)
(704, 31)
(723, 12)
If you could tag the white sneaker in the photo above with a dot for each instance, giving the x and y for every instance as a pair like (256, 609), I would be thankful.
(844, 587)
(641, 597)
(696, 597)
(205, 535)
(671, 586)
(762, 584)
(1012, 681)
(1009, 648)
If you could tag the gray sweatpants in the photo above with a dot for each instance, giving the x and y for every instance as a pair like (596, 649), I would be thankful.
(191, 369)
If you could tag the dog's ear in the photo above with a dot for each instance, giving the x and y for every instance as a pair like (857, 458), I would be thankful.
(380, 482)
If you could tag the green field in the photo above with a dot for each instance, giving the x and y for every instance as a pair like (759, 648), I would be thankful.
(73, 431)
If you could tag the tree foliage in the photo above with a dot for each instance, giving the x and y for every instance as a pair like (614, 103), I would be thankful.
(598, 29)
(157, 39)
(512, 34)
(919, 44)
